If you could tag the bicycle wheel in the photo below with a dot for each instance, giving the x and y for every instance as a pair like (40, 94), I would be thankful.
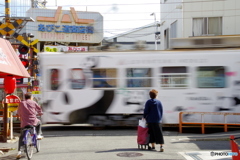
(29, 146)
(37, 145)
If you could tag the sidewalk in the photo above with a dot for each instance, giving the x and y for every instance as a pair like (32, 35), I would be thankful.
(210, 154)
(9, 146)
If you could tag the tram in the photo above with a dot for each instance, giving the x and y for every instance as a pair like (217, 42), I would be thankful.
(111, 88)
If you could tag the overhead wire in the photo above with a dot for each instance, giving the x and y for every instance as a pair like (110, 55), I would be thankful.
(133, 13)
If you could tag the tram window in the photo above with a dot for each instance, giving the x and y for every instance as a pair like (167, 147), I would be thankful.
(211, 77)
(139, 77)
(78, 79)
(54, 79)
(104, 78)
(174, 77)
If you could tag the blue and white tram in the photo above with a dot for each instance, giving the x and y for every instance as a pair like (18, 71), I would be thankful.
(104, 88)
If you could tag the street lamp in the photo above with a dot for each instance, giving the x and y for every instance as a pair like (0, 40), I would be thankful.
(153, 14)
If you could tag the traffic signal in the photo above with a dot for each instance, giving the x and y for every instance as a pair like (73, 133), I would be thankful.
(35, 65)
(23, 49)
(25, 62)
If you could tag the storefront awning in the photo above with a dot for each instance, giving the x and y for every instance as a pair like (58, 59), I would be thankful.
(10, 63)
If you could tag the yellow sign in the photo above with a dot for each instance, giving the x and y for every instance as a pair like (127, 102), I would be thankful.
(36, 92)
(31, 44)
(34, 42)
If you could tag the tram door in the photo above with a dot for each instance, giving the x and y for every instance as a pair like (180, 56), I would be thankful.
(54, 97)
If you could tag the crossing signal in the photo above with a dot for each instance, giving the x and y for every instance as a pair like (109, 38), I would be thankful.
(36, 62)
(36, 70)
(23, 49)
(25, 62)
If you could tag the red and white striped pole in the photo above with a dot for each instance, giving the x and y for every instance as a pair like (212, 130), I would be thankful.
(234, 148)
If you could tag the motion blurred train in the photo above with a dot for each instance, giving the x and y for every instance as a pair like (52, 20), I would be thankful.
(111, 88)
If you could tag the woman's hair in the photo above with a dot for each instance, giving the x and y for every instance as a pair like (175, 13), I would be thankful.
(153, 93)
(28, 95)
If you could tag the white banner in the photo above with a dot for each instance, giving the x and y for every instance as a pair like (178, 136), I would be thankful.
(65, 48)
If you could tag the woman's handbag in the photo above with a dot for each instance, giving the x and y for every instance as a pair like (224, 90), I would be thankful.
(142, 123)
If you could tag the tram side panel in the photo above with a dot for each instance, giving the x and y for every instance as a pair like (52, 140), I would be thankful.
(112, 89)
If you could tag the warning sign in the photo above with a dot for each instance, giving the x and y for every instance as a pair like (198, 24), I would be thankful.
(36, 90)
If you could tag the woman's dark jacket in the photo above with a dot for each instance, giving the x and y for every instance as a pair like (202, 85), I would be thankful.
(153, 111)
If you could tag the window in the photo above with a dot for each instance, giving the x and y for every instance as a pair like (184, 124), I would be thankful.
(138, 77)
(207, 26)
(54, 79)
(78, 79)
(174, 77)
(211, 77)
(173, 30)
(104, 78)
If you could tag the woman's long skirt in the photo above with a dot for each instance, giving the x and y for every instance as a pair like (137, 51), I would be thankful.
(155, 132)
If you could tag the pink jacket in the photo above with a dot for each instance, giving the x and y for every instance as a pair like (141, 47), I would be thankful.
(28, 110)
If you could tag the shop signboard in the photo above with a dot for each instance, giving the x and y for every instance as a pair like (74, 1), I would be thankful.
(58, 25)
(12, 102)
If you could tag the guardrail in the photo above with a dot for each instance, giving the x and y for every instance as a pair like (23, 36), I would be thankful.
(1, 113)
(203, 123)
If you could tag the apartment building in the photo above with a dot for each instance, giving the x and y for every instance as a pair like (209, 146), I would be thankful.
(216, 19)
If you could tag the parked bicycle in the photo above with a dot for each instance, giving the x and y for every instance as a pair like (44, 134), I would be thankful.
(30, 141)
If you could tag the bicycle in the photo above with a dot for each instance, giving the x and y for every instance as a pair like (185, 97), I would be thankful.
(30, 141)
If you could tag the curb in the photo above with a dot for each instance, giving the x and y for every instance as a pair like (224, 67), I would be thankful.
(211, 139)
(202, 139)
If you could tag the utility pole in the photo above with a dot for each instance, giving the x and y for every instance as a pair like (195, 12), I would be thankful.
(5, 109)
(153, 14)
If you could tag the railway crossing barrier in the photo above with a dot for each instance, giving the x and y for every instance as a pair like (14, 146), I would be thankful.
(202, 123)
(234, 148)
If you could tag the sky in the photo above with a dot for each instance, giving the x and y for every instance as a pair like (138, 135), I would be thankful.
(119, 15)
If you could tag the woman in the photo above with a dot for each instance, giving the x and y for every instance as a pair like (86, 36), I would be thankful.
(153, 114)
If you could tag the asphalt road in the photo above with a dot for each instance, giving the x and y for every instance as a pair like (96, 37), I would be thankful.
(87, 143)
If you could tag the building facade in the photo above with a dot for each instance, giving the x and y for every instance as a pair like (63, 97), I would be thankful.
(142, 38)
(194, 18)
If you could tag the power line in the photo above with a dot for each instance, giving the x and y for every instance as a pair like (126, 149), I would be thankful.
(97, 5)
(191, 1)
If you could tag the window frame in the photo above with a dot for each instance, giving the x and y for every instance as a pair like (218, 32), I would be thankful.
(205, 26)
(71, 79)
(58, 79)
(216, 77)
(172, 76)
(138, 78)
(105, 78)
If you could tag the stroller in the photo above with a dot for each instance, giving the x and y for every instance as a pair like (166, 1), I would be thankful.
(142, 135)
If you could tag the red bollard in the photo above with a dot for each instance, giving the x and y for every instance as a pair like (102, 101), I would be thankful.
(234, 148)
